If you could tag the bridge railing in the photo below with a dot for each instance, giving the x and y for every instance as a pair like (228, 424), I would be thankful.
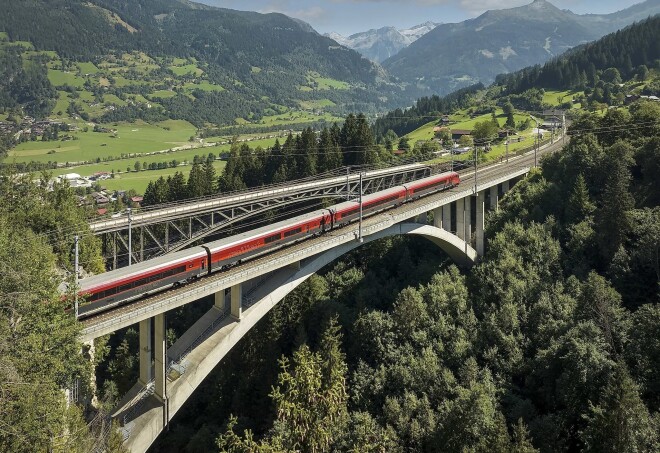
(339, 172)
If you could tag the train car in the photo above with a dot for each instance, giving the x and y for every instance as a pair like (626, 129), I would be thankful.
(350, 210)
(228, 251)
(114, 287)
(431, 184)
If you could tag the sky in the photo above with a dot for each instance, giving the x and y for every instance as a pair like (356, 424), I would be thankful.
(351, 16)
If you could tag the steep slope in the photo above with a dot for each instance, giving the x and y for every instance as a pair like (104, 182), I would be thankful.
(455, 55)
(380, 44)
(256, 55)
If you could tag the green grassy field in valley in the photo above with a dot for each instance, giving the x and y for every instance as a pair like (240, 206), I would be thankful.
(138, 180)
(136, 137)
(425, 132)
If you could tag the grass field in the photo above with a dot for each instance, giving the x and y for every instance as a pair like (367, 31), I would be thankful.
(297, 117)
(59, 78)
(139, 137)
(425, 132)
(204, 86)
(316, 104)
(552, 97)
(185, 69)
(138, 180)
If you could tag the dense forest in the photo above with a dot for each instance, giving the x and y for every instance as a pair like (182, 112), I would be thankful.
(625, 50)
(305, 155)
(425, 109)
(549, 344)
(597, 68)
(261, 60)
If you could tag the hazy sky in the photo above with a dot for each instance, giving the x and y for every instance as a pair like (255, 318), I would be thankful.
(351, 16)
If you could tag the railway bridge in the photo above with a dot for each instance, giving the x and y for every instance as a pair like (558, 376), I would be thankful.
(171, 227)
(453, 220)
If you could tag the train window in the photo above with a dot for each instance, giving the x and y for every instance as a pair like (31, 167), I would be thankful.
(273, 238)
(124, 287)
(292, 232)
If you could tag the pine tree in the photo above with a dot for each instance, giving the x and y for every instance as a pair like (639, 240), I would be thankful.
(579, 205)
(329, 153)
(178, 189)
(196, 182)
(209, 177)
(306, 153)
(613, 218)
(521, 441)
(621, 422)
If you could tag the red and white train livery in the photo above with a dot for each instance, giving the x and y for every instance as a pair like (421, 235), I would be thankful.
(116, 287)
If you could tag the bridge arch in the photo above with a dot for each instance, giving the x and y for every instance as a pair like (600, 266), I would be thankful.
(201, 361)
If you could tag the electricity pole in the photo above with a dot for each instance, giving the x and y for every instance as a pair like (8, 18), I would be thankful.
(130, 237)
(360, 224)
(507, 146)
(75, 271)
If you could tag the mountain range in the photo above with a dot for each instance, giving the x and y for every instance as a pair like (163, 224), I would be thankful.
(476, 50)
(380, 44)
(212, 65)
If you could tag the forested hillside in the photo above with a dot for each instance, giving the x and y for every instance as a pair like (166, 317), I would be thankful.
(549, 344)
(252, 64)
(626, 50)
(452, 56)
(593, 72)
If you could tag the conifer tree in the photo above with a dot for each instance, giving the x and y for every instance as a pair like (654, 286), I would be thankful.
(579, 205)
(196, 182)
(209, 177)
(178, 189)
(613, 218)
(621, 422)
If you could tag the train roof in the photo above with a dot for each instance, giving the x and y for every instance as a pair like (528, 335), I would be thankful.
(140, 268)
(264, 230)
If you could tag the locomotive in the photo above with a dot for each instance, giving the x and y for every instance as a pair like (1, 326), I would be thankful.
(116, 287)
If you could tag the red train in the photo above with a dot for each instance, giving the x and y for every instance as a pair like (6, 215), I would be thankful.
(116, 287)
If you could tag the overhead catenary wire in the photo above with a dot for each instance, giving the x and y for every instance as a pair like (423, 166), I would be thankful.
(340, 171)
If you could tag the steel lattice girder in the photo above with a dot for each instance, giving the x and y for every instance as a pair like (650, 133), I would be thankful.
(204, 223)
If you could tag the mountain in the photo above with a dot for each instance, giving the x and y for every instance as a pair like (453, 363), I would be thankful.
(380, 44)
(258, 62)
(476, 50)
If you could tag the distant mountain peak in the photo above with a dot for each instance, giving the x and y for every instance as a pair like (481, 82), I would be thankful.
(500, 41)
(378, 44)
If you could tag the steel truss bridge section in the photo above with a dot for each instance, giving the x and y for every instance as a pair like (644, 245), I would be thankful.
(171, 228)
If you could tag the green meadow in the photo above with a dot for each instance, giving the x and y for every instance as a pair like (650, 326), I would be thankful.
(136, 137)
(138, 180)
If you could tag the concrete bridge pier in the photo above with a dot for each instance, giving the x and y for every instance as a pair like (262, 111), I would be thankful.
(460, 218)
(446, 217)
(237, 301)
(494, 198)
(146, 353)
(468, 220)
(481, 212)
(160, 365)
